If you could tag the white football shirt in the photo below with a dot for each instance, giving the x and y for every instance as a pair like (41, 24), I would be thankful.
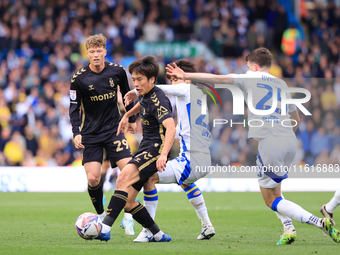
(262, 84)
(193, 126)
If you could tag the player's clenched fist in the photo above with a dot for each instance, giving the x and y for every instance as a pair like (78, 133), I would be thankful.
(122, 124)
(161, 163)
(77, 142)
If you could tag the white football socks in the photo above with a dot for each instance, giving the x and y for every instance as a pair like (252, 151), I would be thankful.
(201, 210)
(151, 206)
(106, 228)
(286, 221)
(297, 213)
(103, 214)
(151, 202)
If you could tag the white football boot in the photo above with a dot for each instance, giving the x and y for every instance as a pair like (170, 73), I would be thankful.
(127, 224)
(206, 233)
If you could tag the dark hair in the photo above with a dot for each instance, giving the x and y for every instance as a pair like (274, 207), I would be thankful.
(186, 65)
(261, 56)
(147, 66)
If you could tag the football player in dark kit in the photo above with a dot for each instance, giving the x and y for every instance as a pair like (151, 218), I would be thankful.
(158, 136)
(94, 91)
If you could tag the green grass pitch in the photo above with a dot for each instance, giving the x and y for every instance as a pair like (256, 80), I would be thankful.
(43, 223)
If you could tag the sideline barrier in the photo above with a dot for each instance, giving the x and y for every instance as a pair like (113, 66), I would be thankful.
(73, 179)
(42, 179)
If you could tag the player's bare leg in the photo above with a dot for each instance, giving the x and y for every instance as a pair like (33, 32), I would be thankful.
(273, 199)
(127, 222)
(124, 197)
(95, 190)
(195, 198)
(288, 229)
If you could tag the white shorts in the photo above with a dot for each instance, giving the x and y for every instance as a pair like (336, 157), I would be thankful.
(274, 157)
(181, 170)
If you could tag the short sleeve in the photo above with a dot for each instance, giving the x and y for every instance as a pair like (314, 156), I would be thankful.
(179, 90)
(239, 80)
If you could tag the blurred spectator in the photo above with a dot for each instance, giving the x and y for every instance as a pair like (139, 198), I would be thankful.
(5, 113)
(206, 32)
(335, 155)
(29, 160)
(151, 29)
(51, 117)
(14, 149)
(5, 136)
(328, 99)
(335, 137)
(305, 136)
(184, 29)
(319, 142)
(47, 143)
(166, 11)
(118, 47)
(280, 25)
(166, 33)
(252, 37)
(31, 141)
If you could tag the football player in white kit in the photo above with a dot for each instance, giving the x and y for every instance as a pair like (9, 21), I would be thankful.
(195, 138)
(277, 144)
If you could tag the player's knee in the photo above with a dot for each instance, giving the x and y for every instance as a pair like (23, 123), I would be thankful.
(93, 180)
(121, 180)
(273, 204)
(149, 185)
(153, 179)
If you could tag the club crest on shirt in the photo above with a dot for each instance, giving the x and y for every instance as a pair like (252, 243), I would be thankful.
(73, 94)
(111, 82)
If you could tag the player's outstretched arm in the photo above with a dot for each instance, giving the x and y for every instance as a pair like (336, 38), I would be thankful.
(295, 116)
(130, 97)
(202, 77)
(170, 132)
(124, 121)
(177, 90)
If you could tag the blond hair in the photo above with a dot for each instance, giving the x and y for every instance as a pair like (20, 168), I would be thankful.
(96, 41)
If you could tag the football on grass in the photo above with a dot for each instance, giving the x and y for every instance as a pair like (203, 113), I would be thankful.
(88, 226)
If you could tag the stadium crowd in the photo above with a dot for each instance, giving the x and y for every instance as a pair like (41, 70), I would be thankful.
(42, 44)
